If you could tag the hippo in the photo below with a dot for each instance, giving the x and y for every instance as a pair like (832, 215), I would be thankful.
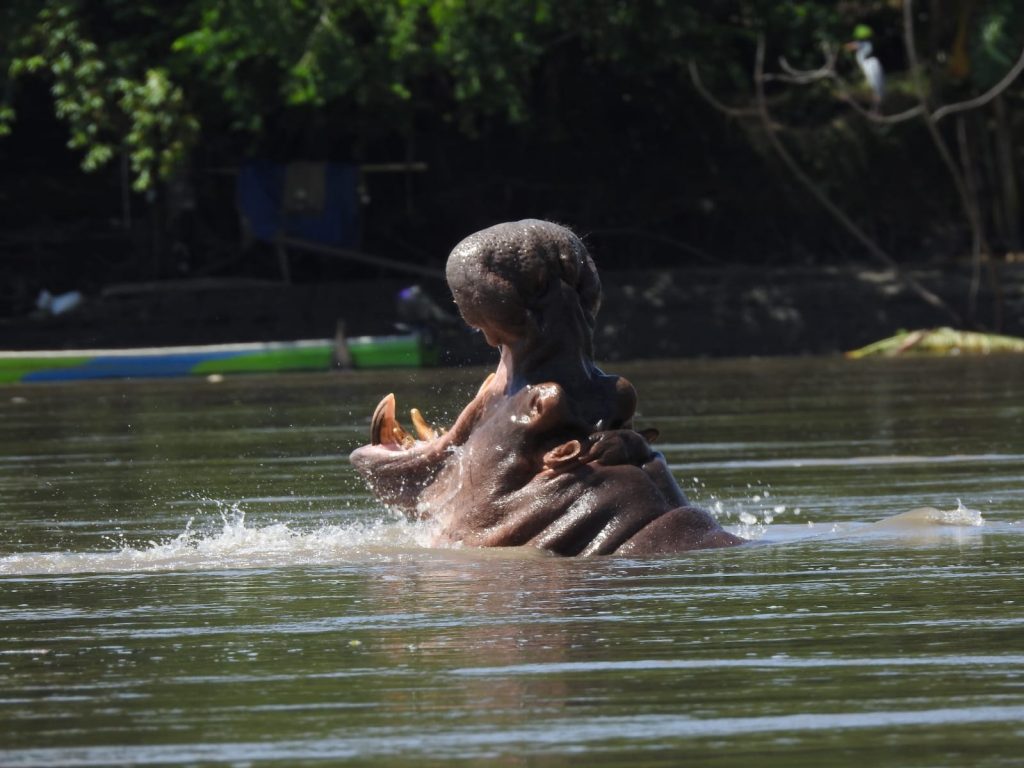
(546, 454)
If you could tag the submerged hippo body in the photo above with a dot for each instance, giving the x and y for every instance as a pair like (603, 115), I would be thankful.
(546, 453)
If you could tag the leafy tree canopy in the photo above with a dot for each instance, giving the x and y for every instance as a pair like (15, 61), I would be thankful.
(133, 76)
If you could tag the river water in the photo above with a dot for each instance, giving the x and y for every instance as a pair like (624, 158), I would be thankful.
(190, 573)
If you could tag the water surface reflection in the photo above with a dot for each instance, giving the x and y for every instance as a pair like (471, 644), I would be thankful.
(292, 622)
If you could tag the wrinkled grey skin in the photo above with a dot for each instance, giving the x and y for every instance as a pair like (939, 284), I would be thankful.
(545, 454)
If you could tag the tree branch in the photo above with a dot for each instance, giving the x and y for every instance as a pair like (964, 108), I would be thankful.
(967, 203)
(810, 75)
(986, 97)
(837, 213)
(709, 97)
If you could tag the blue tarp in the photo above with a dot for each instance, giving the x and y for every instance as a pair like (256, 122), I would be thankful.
(266, 193)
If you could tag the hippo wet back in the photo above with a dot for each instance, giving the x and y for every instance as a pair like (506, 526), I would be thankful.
(545, 454)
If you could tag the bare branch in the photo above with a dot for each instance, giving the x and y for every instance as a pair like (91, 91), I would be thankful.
(710, 98)
(986, 97)
(803, 77)
(827, 71)
(810, 75)
(872, 247)
(797, 171)
(968, 204)
(791, 79)
(898, 117)
(875, 117)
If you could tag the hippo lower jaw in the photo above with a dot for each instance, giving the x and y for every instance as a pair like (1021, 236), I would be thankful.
(397, 466)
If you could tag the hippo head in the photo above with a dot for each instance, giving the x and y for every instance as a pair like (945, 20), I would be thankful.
(531, 288)
(545, 454)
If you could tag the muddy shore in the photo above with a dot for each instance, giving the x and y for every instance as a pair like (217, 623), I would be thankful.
(664, 313)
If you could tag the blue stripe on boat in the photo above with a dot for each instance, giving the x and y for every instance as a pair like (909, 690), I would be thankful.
(127, 366)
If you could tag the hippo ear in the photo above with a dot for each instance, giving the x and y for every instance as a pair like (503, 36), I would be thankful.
(650, 435)
(564, 455)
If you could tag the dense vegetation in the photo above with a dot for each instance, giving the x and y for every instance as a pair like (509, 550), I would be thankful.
(647, 125)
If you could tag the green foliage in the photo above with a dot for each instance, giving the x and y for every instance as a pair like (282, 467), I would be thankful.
(108, 105)
(161, 130)
(6, 120)
(133, 77)
(141, 83)
(997, 41)
(381, 59)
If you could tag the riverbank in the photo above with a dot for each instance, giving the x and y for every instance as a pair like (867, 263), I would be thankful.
(664, 313)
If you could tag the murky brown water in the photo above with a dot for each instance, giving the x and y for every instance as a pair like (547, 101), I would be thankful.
(191, 574)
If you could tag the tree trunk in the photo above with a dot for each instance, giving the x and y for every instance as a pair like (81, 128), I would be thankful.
(1007, 173)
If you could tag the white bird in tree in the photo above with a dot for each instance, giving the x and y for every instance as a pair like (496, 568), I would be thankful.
(872, 69)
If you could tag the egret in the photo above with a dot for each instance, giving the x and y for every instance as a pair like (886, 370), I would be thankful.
(872, 69)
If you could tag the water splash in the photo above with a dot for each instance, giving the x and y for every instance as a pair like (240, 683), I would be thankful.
(235, 544)
(926, 517)
(962, 516)
(751, 516)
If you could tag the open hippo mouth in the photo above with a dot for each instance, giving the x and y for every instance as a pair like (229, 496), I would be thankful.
(545, 454)
(399, 465)
(385, 429)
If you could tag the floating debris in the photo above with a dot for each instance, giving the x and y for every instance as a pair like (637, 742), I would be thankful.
(938, 342)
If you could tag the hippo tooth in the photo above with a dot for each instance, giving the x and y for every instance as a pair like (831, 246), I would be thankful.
(384, 428)
(385, 411)
(486, 384)
(402, 437)
(423, 430)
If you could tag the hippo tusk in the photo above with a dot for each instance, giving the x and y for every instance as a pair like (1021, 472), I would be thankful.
(384, 427)
(423, 430)
(385, 411)
(486, 384)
